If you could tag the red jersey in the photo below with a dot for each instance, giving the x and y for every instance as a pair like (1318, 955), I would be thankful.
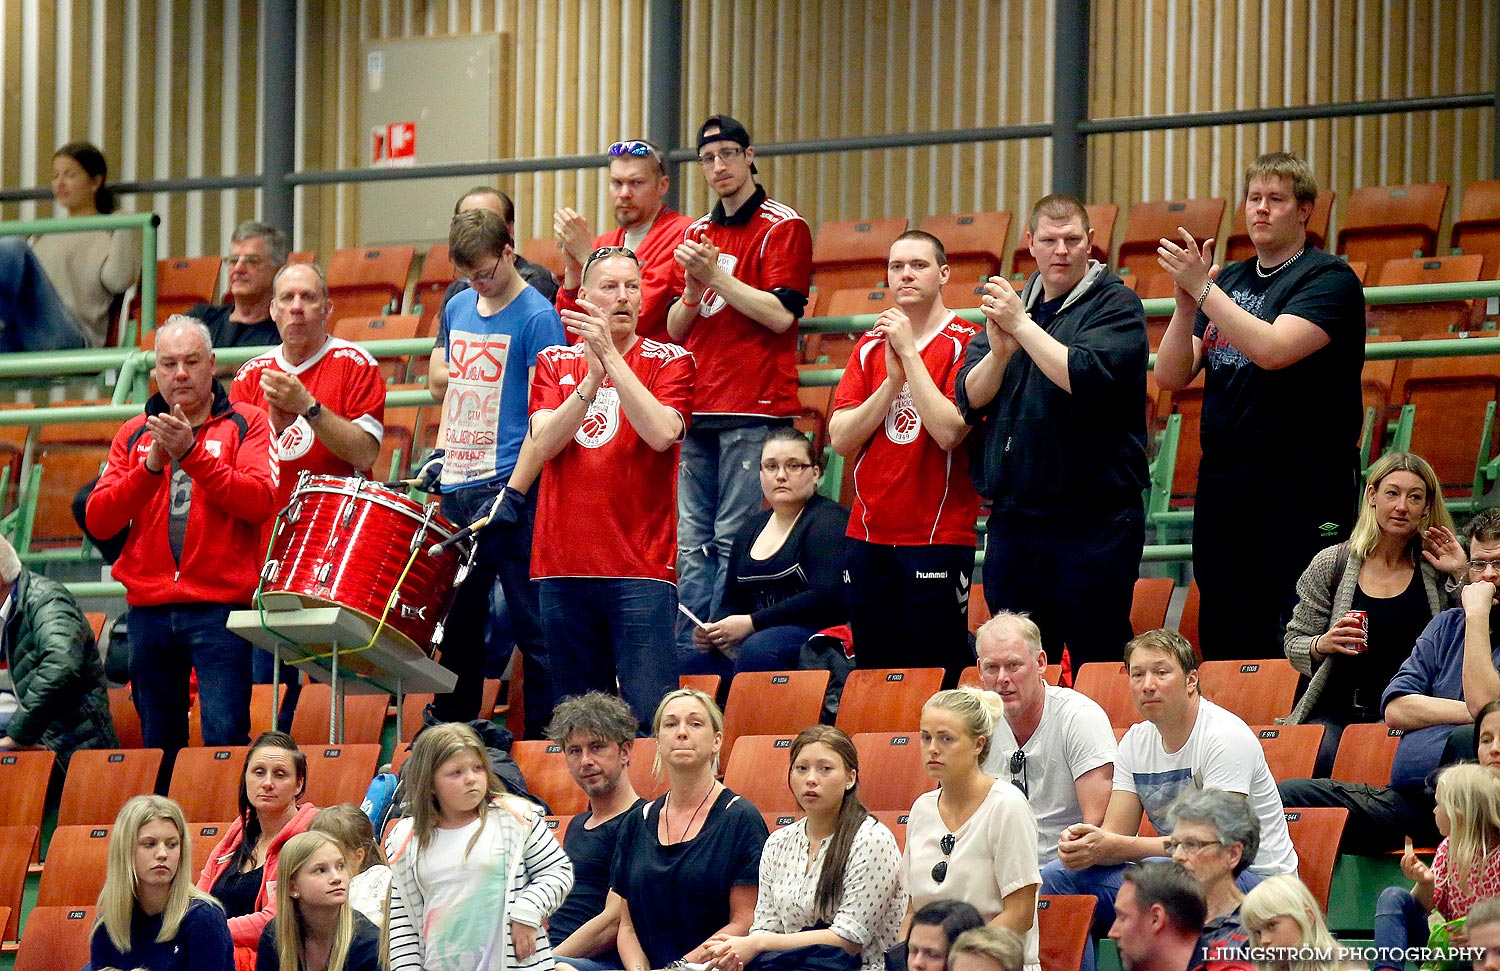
(907, 490)
(745, 369)
(345, 378)
(657, 268)
(607, 504)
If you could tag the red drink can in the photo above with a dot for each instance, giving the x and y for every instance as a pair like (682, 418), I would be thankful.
(1364, 626)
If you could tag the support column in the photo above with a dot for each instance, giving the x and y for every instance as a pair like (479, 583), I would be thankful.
(1070, 98)
(664, 82)
(279, 111)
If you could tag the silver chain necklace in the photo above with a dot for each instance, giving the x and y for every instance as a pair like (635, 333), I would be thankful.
(1266, 276)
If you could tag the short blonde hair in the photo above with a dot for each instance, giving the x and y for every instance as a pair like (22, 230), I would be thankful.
(710, 707)
(998, 944)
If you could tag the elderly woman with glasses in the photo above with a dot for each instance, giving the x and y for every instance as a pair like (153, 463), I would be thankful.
(1362, 604)
(1215, 835)
(785, 577)
(974, 838)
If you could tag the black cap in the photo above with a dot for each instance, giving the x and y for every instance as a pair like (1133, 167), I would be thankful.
(729, 130)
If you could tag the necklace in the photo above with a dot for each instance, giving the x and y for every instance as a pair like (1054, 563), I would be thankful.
(1264, 275)
(691, 819)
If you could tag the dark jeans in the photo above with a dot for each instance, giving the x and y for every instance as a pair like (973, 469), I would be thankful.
(1399, 922)
(36, 319)
(1075, 577)
(167, 643)
(605, 628)
(772, 649)
(1380, 818)
(503, 554)
(909, 606)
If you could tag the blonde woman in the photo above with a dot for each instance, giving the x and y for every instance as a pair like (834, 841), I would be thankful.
(151, 916)
(987, 949)
(1280, 912)
(475, 873)
(315, 929)
(974, 838)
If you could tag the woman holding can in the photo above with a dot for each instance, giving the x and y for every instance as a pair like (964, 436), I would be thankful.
(1362, 603)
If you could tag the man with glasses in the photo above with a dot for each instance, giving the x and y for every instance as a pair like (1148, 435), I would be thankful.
(1185, 742)
(1433, 699)
(1056, 381)
(911, 531)
(743, 272)
(256, 252)
(496, 328)
(638, 183)
(1055, 744)
(607, 416)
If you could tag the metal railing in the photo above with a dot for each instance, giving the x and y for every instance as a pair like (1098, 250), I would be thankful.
(146, 222)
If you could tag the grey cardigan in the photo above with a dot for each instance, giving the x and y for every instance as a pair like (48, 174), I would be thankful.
(1318, 603)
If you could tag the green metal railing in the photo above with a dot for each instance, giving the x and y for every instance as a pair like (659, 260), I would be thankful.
(146, 222)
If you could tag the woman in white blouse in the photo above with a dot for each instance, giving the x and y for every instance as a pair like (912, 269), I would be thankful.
(974, 838)
(831, 894)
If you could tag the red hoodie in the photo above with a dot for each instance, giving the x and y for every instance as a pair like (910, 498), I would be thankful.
(657, 262)
(233, 471)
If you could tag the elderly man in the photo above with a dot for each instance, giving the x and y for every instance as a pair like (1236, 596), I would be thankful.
(638, 183)
(596, 732)
(607, 415)
(1055, 744)
(256, 252)
(1158, 918)
(194, 479)
(52, 687)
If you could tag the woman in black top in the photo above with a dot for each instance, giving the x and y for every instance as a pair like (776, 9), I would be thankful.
(785, 575)
(315, 929)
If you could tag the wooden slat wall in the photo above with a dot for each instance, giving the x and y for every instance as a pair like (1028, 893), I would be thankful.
(789, 69)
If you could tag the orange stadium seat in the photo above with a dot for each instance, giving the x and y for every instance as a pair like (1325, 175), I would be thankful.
(65, 470)
(895, 822)
(364, 716)
(758, 769)
(1062, 923)
(1412, 320)
(545, 252)
(1187, 402)
(1239, 246)
(850, 255)
(1187, 624)
(1365, 754)
(1477, 229)
(1102, 218)
(772, 703)
(436, 275)
(1148, 605)
(887, 700)
(56, 937)
(206, 781)
(844, 303)
(1391, 222)
(1259, 691)
(366, 281)
(76, 860)
(127, 720)
(302, 256)
(1291, 750)
(1148, 222)
(1316, 834)
(1451, 398)
(340, 773)
(387, 328)
(1107, 684)
(262, 712)
(891, 776)
(183, 283)
(643, 777)
(974, 241)
(706, 683)
(204, 837)
(962, 295)
(23, 786)
(17, 844)
(99, 781)
(545, 768)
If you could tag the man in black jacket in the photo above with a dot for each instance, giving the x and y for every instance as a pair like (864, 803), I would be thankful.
(52, 688)
(1058, 383)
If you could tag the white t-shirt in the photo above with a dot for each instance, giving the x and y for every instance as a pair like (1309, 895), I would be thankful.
(1221, 753)
(465, 898)
(1073, 737)
(990, 857)
(368, 890)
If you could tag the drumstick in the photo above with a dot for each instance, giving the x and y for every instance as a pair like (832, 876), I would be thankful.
(462, 534)
(399, 483)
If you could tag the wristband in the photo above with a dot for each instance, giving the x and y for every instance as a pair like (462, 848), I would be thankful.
(1204, 295)
(588, 402)
(692, 305)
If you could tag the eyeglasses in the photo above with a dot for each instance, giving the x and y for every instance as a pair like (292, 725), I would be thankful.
(940, 868)
(1018, 772)
(725, 155)
(792, 467)
(485, 277)
(1479, 567)
(1190, 847)
(605, 252)
(251, 260)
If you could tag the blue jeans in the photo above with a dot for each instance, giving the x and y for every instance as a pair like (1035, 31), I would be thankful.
(603, 628)
(1399, 922)
(772, 649)
(166, 644)
(36, 319)
(718, 490)
(1103, 884)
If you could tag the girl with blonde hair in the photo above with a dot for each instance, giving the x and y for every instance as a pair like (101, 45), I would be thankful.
(369, 876)
(315, 929)
(1280, 912)
(150, 914)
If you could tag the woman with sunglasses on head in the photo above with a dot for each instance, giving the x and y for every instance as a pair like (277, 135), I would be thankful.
(974, 838)
(785, 577)
(831, 897)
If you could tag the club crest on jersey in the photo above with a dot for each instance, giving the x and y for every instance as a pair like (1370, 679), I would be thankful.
(602, 421)
(712, 302)
(902, 423)
(296, 439)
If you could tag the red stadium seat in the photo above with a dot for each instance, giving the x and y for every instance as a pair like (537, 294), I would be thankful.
(1477, 229)
(1062, 924)
(895, 822)
(545, 769)
(56, 937)
(1392, 222)
(204, 837)
(974, 241)
(772, 703)
(127, 720)
(1315, 835)
(891, 775)
(1365, 754)
(183, 283)
(340, 773)
(1148, 222)
(1259, 691)
(76, 861)
(17, 844)
(1452, 400)
(364, 716)
(100, 781)
(545, 252)
(1148, 606)
(1107, 684)
(886, 700)
(758, 769)
(1291, 750)
(850, 255)
(436, 276)
(206, 781)
(367, 281)
(1413, 320)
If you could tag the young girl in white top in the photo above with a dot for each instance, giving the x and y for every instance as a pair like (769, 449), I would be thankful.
(474, 872)
(370, 880)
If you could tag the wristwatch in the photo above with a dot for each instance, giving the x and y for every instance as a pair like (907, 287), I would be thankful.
(314, 413)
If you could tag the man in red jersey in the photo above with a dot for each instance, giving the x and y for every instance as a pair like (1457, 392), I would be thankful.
(911, 554)
(744, 271)
(607, 414)
(637, 184)
(194, 481)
